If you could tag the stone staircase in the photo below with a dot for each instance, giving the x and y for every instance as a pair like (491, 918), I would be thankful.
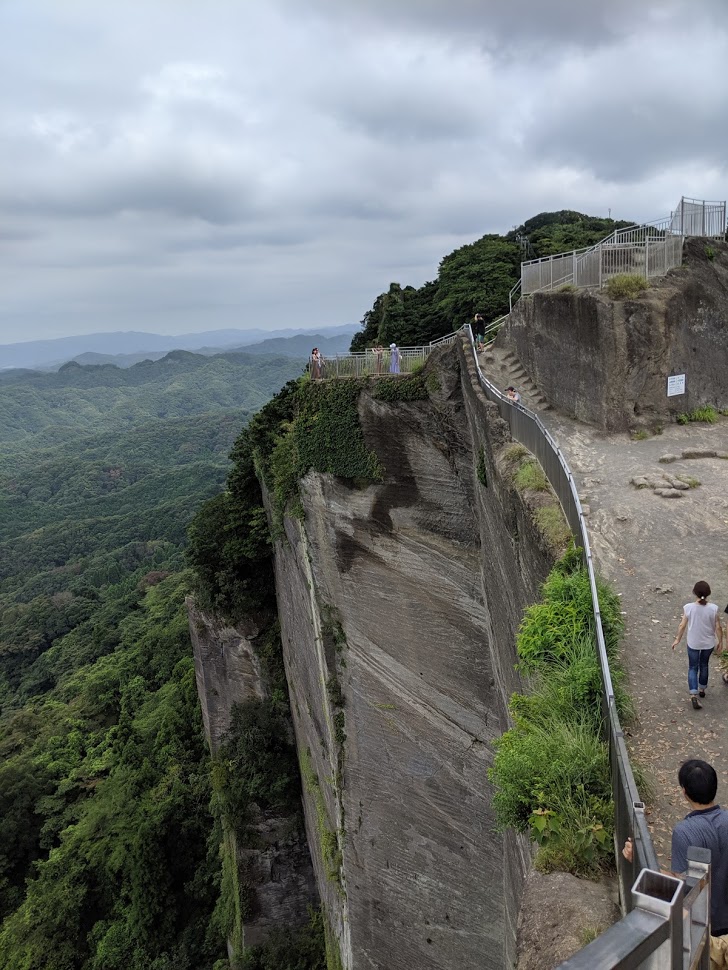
(503, 368)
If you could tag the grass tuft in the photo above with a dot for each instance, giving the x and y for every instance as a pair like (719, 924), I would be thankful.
(625, 286)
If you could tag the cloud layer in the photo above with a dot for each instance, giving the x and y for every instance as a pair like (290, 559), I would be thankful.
(176, 166)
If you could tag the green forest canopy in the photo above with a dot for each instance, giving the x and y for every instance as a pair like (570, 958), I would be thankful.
(108, 842)
(475, 278)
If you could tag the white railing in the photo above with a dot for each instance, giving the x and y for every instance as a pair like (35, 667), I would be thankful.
(648, 250)
(370, 363)
(696, 217)
(373, 363)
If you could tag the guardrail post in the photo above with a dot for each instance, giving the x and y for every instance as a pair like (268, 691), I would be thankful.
(696, 920)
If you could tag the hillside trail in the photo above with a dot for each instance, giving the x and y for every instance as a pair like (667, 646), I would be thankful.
(653, 550)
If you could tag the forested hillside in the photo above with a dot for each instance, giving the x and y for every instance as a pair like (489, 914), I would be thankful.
(109, 834)
(475, 278)
(45, 408)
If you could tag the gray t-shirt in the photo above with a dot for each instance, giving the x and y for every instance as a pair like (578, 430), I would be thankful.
(701, 625)
(706, 828)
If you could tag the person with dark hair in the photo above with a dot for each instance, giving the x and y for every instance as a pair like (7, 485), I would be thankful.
(316, 362)
(705, 826)
(704, 628)
(513, 395)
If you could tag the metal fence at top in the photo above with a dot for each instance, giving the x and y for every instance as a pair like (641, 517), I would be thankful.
(697, 217)
(369, 363)
(649, 249)
(379, 361)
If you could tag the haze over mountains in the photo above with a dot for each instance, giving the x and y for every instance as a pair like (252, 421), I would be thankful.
(125, 348)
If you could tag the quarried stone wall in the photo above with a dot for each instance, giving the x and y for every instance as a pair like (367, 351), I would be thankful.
(607, 362)
(399, 604)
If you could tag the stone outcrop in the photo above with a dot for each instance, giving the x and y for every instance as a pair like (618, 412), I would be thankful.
(227, 668)
(560, 915)
(399, 603)
(274, 872)
(606, 362)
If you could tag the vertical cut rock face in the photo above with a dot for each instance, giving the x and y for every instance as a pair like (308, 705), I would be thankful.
(399, 605)
(607, 362)
(227, 668)
(274, 864)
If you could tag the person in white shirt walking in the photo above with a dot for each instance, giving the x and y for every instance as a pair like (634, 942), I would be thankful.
(704, 631)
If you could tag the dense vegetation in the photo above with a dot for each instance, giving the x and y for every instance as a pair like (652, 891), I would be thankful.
(112, 816)
(551, 770)
(110, 829)
(475, 278)
(307, 425)
(44, 409)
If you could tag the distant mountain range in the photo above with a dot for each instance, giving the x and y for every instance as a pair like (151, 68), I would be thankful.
(130, 347)
(297, 347)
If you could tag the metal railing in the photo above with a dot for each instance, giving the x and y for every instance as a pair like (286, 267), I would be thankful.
(380, 363)
(697, 217)
(528, 429)
(661, 924)
(668, 926)
(649, 249)
(370, 363)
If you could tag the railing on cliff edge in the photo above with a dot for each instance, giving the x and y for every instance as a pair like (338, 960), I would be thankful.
(667, 919)
(649, 250)
(370, 363)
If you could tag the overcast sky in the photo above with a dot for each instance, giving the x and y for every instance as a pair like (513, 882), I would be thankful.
(180, 165)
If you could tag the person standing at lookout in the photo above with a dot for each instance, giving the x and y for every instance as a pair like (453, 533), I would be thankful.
(393, 359)
(704, 630)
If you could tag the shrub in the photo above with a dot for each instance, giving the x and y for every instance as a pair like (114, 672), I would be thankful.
(567, 288)
(566, 612)
(625, 286)
(286, 949)
(551, 770)
(640, 435)
(480, 469)
(710, 253)
(531, 476)
(578, 839)
(550, 520)
(515, 453)
(256, 764)
(546, 765)
(573, 686)
(400, 388)
(689, 480)
(707, 413)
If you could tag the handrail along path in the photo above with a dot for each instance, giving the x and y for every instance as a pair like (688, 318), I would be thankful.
(629, 818)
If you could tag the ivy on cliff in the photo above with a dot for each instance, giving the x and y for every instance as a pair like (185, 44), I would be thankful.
(308, 425)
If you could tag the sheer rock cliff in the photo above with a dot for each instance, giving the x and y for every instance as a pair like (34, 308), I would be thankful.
(399, 603)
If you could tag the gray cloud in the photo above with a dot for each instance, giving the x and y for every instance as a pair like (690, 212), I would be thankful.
(175, 166)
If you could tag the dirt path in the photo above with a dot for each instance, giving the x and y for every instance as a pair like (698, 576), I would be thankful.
(653, 550)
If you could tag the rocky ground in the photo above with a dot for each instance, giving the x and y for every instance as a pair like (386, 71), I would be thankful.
(653, 548)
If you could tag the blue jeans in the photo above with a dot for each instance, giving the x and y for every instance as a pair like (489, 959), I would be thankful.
(698, 669)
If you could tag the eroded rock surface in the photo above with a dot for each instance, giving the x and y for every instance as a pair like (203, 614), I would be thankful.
(404, 598)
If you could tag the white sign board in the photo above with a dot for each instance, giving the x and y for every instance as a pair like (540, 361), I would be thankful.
(675, 385)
